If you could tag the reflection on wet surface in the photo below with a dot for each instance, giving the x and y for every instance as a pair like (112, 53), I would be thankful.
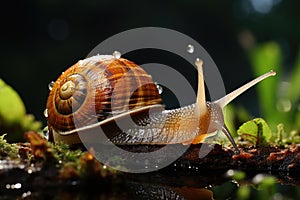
(130, 186)
(169, 183)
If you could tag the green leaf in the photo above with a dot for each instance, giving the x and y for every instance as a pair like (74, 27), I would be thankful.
(13, 117)
(12, 108)
(256, 131)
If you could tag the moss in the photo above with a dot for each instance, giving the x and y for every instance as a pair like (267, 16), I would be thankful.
(8, 151)
(72, 163)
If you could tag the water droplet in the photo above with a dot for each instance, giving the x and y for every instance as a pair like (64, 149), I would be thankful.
(26, 194)
(117, 54)
(284, 105)
(46, 132)
(74, 183)
(18, 185)
(159, 88)
(46, 112)
(258, 178)
(278, 196)
(230, 173)
(282, 88)
(50, 85)
(190, 48)
(14, 186)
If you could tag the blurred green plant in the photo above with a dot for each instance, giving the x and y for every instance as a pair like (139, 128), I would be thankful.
(244, 186)
(13, 118)
(278, 97)
(265, 57)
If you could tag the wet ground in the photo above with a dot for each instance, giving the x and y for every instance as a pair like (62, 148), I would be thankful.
(260, 173)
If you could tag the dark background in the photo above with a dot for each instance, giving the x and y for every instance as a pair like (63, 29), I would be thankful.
(40, 39)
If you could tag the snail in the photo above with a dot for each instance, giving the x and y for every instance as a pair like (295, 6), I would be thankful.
(100, 90)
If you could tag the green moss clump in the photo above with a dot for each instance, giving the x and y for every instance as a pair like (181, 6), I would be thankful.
(8, 151)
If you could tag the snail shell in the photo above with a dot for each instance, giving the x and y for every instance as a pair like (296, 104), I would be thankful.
(85, 90)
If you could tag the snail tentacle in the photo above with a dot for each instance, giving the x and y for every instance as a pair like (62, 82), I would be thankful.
(232, 95)
(201, 107)
(227, 133)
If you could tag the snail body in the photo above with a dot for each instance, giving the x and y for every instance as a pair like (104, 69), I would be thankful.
(102, 90)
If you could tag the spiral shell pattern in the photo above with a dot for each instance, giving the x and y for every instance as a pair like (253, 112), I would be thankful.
(97, 88)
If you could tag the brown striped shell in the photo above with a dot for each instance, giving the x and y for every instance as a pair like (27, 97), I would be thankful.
(96, 88)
